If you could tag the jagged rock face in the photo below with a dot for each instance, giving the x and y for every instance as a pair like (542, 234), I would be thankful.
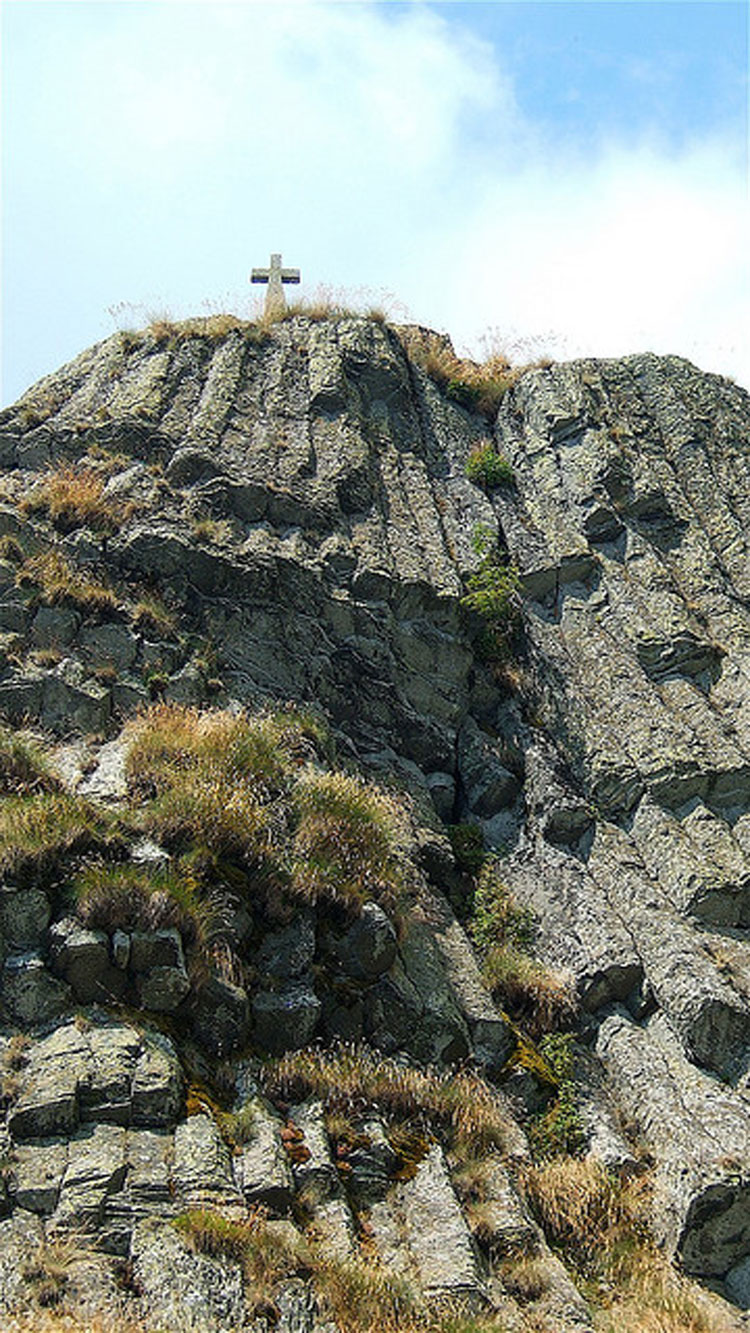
(312, 520)
(340, 471)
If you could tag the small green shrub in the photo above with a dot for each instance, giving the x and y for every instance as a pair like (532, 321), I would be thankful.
(487, 468)
(467, 841)
(493, 594)
(558, 1131)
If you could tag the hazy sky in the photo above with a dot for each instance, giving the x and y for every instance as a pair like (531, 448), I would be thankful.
(575, 173)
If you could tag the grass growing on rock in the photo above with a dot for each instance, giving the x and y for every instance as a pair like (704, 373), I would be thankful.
(250, 790)
(536, 995)
(24, 766)
(59, 582)
(344, 847)
(73, 496)
(38, 832)
(134, 897)
(352, 1077)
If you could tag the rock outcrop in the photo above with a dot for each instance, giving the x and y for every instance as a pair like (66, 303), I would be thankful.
(285, 515)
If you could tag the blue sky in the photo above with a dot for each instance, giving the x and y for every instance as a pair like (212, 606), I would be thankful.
(561, 177)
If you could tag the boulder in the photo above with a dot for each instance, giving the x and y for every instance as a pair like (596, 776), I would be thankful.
(30, 994)
(285, 1020)
(81, 957)
(369, 946)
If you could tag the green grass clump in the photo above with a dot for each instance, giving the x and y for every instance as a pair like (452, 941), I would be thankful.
(493, 595)
(558, 1131)
(59, 583)
(344, 847)
(487, 468)
(38, 831)
(467, 841)
(24, 767)
(503, 931)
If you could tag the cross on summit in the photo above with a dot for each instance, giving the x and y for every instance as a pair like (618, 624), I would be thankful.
(275, 275)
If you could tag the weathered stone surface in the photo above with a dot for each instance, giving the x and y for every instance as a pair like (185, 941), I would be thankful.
(202, 1165)
(81, 957)
(157, 1091)
(369, 946)
(184, 1290)
(285, 1020)
(419, 1230)
(162, 989)
(315, 1171)
(261, 1168)
(221, 1015)
(700, 1133)
(38, 1170)
(287, 954)
(95, 1170)
(24, 917)
(30, 994)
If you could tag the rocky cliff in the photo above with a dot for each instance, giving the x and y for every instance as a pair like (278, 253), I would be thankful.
(387, 808)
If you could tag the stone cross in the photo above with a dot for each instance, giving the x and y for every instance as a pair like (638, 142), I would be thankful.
(275, 276)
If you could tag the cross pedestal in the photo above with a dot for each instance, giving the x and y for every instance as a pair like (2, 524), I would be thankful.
(275, 276)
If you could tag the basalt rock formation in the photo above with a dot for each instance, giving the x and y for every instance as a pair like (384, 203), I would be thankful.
(284, 515)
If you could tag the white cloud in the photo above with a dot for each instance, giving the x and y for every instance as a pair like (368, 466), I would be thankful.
(375, 145)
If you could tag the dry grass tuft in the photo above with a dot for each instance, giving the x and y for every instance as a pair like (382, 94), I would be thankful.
(344, 846)
(24, 767)
(133, 897)
(73, 496)
(59, 582)
(37, 831)
(351, 1078)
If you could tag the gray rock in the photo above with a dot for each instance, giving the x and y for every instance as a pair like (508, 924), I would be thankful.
(488, 784)
(95, 1170)
(737, 1283)
(369, 946)
(181, 1289)
(315, 1172)
(54, 627)
(285, 1020)
(24, 917)
(109, 645)
(221, 1015)
(158, 1086)
(156, 948)
(30, 994)
(81, 957)
(38, 1170)
(162, 989)
(202, 1165)
(419, 1231)
(700, 1135)
(261, 1168)
(288, 953)
(48, 1102)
